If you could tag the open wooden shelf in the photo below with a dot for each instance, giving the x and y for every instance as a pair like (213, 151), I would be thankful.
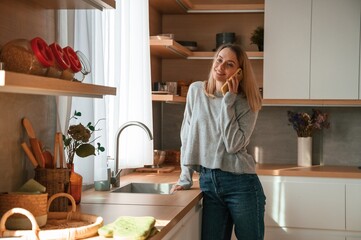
(168, 98)
(186, 6)
(76, 4)
(32, 84)
(169, 48)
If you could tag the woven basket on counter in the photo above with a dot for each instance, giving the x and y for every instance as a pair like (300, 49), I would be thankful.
(60, 225)
(34, 203)
(55, 181)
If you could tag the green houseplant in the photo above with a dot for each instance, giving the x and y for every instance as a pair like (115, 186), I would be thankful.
(257, 37)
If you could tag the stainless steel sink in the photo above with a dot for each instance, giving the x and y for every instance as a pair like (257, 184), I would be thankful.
(151, 188)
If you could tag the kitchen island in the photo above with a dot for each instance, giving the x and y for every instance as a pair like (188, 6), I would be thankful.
(170, 210)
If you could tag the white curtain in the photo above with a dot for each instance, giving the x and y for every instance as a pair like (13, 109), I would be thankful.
(117, 44)
(134, 91)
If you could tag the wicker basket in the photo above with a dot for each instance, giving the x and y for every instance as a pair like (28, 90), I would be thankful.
(60, 225)
(55, 181)
(34, 203)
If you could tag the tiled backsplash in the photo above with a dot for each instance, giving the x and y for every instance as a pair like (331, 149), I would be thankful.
(275, 141)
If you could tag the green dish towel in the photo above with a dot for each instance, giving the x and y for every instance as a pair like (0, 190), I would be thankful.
(129, 228)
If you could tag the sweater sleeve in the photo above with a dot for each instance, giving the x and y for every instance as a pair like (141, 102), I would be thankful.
(185, 178)
(236, 122)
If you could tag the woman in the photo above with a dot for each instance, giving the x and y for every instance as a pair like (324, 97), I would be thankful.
(215, 132)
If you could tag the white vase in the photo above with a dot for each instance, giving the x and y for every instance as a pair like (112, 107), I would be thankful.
(304, 151)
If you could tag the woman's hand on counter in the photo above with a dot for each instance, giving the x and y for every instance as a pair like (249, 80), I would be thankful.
(176, 188)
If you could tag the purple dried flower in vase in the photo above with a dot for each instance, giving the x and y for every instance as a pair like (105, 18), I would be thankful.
(305, 125)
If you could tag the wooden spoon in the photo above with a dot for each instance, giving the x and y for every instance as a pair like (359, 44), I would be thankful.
(29, 128)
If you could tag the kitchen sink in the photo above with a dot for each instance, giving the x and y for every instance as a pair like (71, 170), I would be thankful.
(151, 188)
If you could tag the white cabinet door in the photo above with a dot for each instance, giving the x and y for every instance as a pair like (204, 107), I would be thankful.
(192, 224)
(353, 207)
(335, 49)
(287, 49)
(189, 227)
(308, 203)
(314, 205)
(312, 49)
(301, 234)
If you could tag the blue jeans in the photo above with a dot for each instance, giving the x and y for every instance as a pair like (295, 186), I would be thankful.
(231, 200)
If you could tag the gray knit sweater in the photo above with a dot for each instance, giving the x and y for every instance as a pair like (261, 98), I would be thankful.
(215, 133)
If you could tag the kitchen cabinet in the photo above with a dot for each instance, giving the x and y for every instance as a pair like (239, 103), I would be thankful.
(287, 44)
(304, 203)
(189, 227)
(300, 234)
(311, 207)
(190, 21)
(335, 47)
(315, 53)
(353, 207)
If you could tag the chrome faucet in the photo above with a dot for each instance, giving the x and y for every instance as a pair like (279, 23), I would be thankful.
(116, 174)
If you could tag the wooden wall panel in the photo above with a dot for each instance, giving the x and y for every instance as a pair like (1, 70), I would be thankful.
(203, 29)
(155, 25)
(198, 70)
(23, 19)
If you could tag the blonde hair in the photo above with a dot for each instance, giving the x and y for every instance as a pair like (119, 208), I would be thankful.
(248, 84)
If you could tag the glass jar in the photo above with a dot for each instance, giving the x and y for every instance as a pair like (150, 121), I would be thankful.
(75, 64)
(24, 56)
(62, 62)
(85, 66)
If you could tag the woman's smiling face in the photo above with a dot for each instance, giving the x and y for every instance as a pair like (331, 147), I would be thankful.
(225, 64)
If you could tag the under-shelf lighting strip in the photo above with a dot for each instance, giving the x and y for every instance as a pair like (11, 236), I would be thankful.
(182, 5)
(227, 11)
(211, 58)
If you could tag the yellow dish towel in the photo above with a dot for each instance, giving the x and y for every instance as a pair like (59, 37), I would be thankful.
(129, 228)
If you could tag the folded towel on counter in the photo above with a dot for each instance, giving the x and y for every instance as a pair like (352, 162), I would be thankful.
(129, 228)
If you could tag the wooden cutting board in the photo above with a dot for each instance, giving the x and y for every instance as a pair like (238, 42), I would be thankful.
(165, 169)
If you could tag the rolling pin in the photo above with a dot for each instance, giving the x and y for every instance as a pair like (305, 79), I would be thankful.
(29, 154)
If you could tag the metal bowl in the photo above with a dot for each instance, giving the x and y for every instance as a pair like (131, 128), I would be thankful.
(158, 157)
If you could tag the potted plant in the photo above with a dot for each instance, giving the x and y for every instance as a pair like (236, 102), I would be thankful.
(305, 125)
(257, 37)
(77, 142)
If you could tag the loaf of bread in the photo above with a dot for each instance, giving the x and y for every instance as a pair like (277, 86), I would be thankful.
(225, 88)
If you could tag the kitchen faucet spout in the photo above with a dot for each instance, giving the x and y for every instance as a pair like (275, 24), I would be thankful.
(116, 174)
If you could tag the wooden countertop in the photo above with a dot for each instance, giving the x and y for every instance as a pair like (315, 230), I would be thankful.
(170, 209)
(314, 171)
